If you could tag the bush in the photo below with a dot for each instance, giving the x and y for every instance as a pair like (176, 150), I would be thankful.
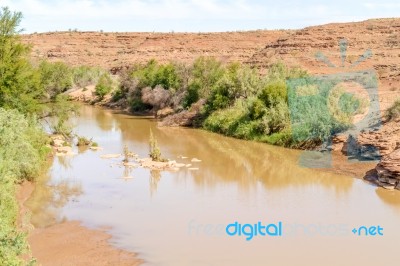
(85, 75)
(117, 95)
(104, 85)
(155, 153)
(283, 138)
(153, 74)
(22, 153)
(274, 92)
(277, 118)
(24, 94)
(55, 77)
(318, 117)
(158, 97)
(136, 105)
(393, 113)
(82, 141)
(279, 71)
(237, 82)
(226, 121)
(204, 75)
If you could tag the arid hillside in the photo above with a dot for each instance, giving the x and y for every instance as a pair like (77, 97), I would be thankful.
(257, 48)
(113, 50)
(380, 38)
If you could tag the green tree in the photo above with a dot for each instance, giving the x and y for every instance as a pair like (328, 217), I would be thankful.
(19, 81)
(55, 77)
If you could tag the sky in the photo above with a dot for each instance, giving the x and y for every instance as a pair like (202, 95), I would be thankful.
(192, 15)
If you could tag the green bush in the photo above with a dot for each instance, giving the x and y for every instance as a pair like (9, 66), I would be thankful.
(203, 75)
(226, 121)
(22, 153)
(104, 85)
(318, 117)
(153, 74)
(26, 92)
(55, 77)
(393, 112)
(257, 109)
(277, 118)
(83, 141)
(136, 105)
(279, 71)
(155, 153)
(283, 138)
(274, 92)
(117, 95)
(85, 75)
(192, 95)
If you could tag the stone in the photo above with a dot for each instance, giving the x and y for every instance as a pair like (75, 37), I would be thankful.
(388, 171)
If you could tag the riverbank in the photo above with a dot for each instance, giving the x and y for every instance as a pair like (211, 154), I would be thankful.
(69, 242)
(385, 141)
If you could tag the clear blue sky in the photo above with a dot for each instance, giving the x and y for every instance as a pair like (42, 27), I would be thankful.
(193, 15)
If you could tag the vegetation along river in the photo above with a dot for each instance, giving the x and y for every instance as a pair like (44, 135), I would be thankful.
(179, 217)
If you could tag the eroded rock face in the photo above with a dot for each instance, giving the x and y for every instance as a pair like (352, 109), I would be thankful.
(388, 170)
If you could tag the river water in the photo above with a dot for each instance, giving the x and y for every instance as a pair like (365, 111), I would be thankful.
(179, 218)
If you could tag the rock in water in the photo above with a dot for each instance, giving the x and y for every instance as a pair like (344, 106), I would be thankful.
(389, 170)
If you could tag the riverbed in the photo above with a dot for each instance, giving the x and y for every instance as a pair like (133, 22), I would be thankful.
(179, 217)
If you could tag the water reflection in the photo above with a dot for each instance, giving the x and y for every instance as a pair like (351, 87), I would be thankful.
(155, 177)
(225, 159)
(50, 196)
(236, 180)
(390, 197)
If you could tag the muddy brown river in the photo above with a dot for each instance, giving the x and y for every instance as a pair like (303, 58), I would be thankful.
(179, 218)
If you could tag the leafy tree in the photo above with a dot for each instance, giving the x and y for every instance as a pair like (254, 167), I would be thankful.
(55, 77)
(19, 81)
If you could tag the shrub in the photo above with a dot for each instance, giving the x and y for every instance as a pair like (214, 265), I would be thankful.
(155, 153)
(104, 85)
(318, 117)
(85, 75)
(393, 113)
(204, 74)
(136, 105)
(153, 74)
(157, 97)
(126, 154)
(22, 153)
(55, 77)
(279, 71)
(257, 109)
(283, 138)
(82, 141)
(277, 118)
(226, 121)
(237, 82)
(275, 91)
(192, 95)
(117, 95)
(60, 110)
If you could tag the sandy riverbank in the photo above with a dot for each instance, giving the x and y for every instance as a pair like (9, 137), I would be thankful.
(70, 243)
